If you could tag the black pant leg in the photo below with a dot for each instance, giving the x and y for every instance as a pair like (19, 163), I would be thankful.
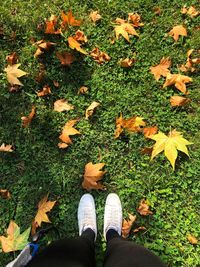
(67, 253)
(123, 253)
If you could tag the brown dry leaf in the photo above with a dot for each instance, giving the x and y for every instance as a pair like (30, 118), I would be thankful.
(178, 80)
(41, 73)
(179, 101)
(44, 206)
(51, 24)
(62, 145)
(148, 131)
(95, 16)
(13, 73)
(192, 239)
(12, 58)
(140, 228)
(135, 20)
(69, 20)
(157, 10)
(27, 120)
(6, 148)
(125, 29)
(177, 31)
(42, 46)
(4, 193)
(80, 36)
(73, 44)
(83, 90)
(191, 11)
(98, 56)
(143, 208)
(127, 225)
(65, 58)
(161, 69)
(62, 105)
(68, 130)
(90, 110)
(127, 62)
(46, 90)
(56, 83)
(147, 150)
(92, 176)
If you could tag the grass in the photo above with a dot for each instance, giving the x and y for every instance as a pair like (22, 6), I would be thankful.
(37, 166)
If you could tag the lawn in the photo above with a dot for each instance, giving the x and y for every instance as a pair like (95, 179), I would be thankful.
(37, 166)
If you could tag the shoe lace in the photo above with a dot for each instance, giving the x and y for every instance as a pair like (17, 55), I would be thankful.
(113, 219)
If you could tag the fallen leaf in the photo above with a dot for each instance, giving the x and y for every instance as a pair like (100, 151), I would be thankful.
(42, 46)
(178, 101)
(169, 144)
(12, 58)
(147, 150)
(62, 145)
(95, 16)
(73, 44)
(192, 239)
(62, 105)
(191, 11)
(90, 110)
(41, 74)
(68, 130)
(127, 225)
(127, 62)
(140, 228)
(14, 240)
(83, 90)
(56, 83)
(4, 193)
(69, 20)
(27, 120)
(148, 131)
(143, 208)
(13, 73)
(99, 56)
(80, 36)
(191, 63)
(157, 10)
(92, 176)
(65, 58)
(6, 148)
(135, 20)
(46, 90)
(51, 24)
(161, 69)
(178, 80)
(125, 29)
(44, 206)
(177, 31)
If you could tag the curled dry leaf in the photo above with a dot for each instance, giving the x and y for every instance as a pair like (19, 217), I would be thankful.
(56, 83)
(191, 11)
(127, 62)
(6, 148)
(68, 130)
(148, 131)
(132, 124)
(98, 56)
(42, 46)
(12, 58)
(179, 101)
(147, 150)
(127, 225)
(13, 73)
(80, 36)
(93, 175)
(83, 90)
(177, 31)
(41, 73)
(161, 69)
(95, 16)
(4, 193)
(191, 62)
(178, 80)
(192, 239)
(73, 44)
(51, 24)
(138, 229)
(46, 90)
(90, 110)
(125, 29)
(14, 240)
(143, 208)
(27, 120)
(65, 58)
(69, 20)
(62, 105)
(135, 20)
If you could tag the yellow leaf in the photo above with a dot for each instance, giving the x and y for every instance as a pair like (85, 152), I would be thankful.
(73, 44)
(68, 130)
(13, 73)
(62, 105)
(6, 148)
(178, 80)
(169, 144)
(178, 101)
(95, 16)
(90, 110)
(161, 69)
(177, 31)
(127, 62)
(192, 239)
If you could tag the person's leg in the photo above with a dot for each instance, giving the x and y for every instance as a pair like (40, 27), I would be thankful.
(73, 252)
(120, 252)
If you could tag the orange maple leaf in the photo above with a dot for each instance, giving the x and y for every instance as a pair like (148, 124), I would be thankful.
(178, 80)
(161, 69)
(50, 25)
(124, 29)
(95, 16)
(62, 105)
(46, 90)
(73, 44)
(135, 19)
(143, 208)
(191, 11)
(178, 101)
(127, 62)
(92, 176)
(177, 31)
(65, 58)
(127, 225)
(80, 36)
(27, 120)
(68, 130)
(42, 46)
(69, 19)
(148, 131)
(6, 148)
(99, 56)
(12, 58)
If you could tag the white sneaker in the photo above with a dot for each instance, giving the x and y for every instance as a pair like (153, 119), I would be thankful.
(87, 214)
(112, 214)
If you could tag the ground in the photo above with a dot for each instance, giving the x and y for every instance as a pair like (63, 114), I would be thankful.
(37, 166)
